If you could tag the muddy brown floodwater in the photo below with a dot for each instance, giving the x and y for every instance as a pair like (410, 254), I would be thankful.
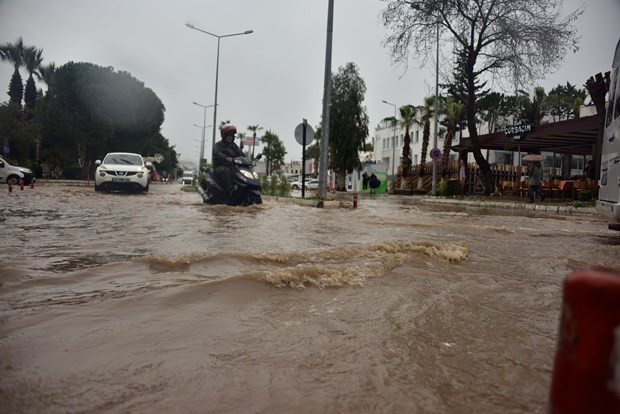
(157, 303)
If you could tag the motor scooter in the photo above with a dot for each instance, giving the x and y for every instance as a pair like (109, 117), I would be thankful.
(246, 186)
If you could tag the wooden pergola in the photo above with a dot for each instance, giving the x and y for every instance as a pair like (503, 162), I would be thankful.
(574, 136)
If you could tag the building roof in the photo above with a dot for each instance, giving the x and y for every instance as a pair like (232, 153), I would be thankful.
(574, 136)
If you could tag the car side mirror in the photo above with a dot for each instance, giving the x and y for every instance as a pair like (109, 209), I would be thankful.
(98, 162)
(259, 156)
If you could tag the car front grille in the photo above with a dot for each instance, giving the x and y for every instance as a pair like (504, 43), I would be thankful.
(122, 173)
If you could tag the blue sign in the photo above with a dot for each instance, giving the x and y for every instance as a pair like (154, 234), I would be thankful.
(435, 153)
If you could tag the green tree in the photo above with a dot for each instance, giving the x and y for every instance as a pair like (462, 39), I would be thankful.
(503, 37)
(254, 129)
(428, 112)
(408, 118)
(563, 100)
(348, 123)
(453, 112)
(32, 61)
(94, 110)
(46, 74)
(273, 152)
(490, 110)
(14, 54)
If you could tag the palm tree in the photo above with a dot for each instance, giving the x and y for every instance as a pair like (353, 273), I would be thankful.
(14, 54)
(254, 128)
(32, 61)
(408, 117)
(453, 111)
(428, 112)
(46, 75)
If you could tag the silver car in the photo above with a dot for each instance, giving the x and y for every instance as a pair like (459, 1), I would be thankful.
(122, 171)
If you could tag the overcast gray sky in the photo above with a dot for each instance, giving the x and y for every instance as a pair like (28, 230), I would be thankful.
(272, 77)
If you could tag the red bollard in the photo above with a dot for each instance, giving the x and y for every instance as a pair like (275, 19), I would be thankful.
(32, 183)
(21, 183)
(354, 200)
(586, 373)
(10, 188)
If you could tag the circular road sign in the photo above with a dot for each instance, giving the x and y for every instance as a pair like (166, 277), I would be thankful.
(435, 153)
(299, 134)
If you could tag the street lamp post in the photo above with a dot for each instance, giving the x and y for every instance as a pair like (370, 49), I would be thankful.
(393, 146)
(204, 127)
(217, 69)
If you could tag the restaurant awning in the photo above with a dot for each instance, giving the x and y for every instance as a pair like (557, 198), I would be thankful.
(574, 136)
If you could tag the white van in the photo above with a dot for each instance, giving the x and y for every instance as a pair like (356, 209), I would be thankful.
(608, 202)
(10, 174)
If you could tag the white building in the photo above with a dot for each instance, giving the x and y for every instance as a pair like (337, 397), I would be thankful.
(388, 144)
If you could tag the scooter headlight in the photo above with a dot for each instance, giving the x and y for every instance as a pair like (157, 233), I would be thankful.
(248, 174)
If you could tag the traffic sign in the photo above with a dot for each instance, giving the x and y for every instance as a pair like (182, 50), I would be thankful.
(435, 153)
(299, 134)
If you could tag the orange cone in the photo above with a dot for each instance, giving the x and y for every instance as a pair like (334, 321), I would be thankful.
(586, 373)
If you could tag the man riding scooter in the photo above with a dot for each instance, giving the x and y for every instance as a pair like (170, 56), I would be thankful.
(224, 153)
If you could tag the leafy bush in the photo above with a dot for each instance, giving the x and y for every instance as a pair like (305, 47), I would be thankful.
(448, 188)
(275, 185)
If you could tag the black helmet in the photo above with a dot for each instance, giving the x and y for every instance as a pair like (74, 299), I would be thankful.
(228, 129)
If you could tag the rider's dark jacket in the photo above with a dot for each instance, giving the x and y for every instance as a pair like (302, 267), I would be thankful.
(223, 149)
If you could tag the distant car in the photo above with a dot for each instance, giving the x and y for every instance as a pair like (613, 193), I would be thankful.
(188, 177)
(11, 174)
(122, 171)
(311, 184)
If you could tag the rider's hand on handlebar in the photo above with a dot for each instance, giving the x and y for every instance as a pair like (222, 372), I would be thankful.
(229, 159)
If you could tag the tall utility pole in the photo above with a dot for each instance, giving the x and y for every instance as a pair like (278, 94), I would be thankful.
(327, 82)
(217, 71)
(434, 186)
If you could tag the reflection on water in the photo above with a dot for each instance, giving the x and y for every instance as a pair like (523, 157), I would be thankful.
(158, 303)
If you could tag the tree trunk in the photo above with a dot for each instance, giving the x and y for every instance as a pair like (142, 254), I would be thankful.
(342, 180)
(485, 168)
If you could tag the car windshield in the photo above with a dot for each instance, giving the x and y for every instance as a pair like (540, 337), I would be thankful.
(129, 159)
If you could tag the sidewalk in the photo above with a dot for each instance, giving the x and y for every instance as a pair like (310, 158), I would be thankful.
(547, 207)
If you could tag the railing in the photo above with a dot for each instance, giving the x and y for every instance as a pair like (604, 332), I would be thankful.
(509, 180)
(422, 178)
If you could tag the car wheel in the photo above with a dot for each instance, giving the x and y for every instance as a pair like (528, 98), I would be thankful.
(295, 187)
(146, 189)
(12, 179)
(97, 188)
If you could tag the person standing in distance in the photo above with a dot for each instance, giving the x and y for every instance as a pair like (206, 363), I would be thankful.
(224, 153)
(535, 176)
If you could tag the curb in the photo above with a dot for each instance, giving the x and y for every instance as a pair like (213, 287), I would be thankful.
(539, 208)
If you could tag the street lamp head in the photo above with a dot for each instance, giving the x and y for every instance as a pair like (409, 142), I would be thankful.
(248, 31)
(191, 26)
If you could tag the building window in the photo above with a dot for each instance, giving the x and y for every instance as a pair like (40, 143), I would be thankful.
(417, 136)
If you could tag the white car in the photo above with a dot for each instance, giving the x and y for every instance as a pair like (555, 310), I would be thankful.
(188, 177)
(311, 184)
(122, 171)
(11, 174)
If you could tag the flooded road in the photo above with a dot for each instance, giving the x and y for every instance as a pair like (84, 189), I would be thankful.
(142, 303)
